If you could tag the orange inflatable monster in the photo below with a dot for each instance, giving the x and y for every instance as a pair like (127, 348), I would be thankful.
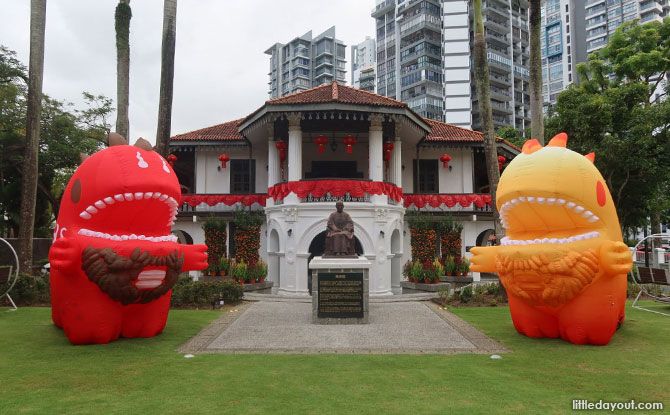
(563, 262)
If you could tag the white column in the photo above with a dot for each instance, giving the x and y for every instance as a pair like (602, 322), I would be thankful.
(274, 170)
(376, 148)
(294, 147)
(395, 168)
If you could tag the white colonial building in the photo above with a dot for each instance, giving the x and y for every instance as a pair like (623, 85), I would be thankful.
(296, 155)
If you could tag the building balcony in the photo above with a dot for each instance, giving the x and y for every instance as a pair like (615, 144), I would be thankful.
(330, 191)
(202, 203)
(449, 202)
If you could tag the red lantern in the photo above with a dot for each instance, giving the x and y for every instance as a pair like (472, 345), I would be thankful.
(445, 159)
(321, 141)
(501, 161)
(388, 149)
(171, 158)
(281, 146)
(224, 158)
(349, 141)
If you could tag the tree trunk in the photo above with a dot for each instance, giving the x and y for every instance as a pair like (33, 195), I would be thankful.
(535, 67)
(483, 87)
(38, 10)
(167, 76)
(122, 17)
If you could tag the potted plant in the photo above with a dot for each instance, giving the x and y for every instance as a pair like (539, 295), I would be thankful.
(240, 271)
(428, 272)
(406, 269)
(261, 270)
(224, 266)
(465, 267)
(211, 270)
(439, 269)
(450, 266)
(416, 272)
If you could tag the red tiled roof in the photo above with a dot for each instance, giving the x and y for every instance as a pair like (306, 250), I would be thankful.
(228, 131)
(335, 92)
(441, 132)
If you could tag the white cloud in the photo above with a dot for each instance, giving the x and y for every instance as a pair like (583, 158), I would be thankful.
(220, 67)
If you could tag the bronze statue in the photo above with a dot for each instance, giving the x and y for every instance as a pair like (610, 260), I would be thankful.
(340, 240)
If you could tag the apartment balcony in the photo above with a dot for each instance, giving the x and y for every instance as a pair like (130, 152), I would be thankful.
(499, 26)
(383, 8)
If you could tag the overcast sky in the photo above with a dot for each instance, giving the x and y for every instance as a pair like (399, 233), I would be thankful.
(220, 68)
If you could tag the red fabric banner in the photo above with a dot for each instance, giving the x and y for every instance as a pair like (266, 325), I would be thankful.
(450, 200)
(337, 188)
(211, 200)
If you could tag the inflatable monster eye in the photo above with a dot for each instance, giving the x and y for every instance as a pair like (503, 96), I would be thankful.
(140, 161)
(165, 167)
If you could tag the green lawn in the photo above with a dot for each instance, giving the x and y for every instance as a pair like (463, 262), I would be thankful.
(40, 372)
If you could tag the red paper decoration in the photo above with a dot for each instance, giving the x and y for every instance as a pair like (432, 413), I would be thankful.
(171, 158)
(281, 146)
(501, 161)
(224, 158)
(336, 188)
(388, 149)
(321, 141)
(349, 141)
(445, 159)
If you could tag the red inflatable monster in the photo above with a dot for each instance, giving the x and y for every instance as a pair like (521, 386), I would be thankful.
(114, 260)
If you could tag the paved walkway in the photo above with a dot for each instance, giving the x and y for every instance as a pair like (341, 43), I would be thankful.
(286, 327)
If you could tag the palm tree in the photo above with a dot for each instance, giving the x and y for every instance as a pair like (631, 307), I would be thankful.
(38, 11)
(122, 17)
(167, 75)
(536, 115)
(483, 87)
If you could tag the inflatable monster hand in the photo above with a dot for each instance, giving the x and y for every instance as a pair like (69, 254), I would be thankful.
(114, 260)
(563, 262)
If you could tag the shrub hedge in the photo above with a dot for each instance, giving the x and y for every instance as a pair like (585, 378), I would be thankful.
(31, 290)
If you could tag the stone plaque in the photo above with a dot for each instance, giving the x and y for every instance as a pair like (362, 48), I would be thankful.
(340, 294)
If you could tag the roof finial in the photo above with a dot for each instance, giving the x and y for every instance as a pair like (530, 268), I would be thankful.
(336, 93)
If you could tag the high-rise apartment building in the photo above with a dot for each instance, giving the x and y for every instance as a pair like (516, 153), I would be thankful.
(563, 38)
(425, 58)
(305, 62)
(604, 16)
(571, 29)
(363, 58)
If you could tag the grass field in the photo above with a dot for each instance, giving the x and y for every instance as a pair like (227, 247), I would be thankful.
(40, 372)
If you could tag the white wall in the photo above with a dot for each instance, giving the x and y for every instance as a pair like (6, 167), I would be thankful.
(457, 180)
(210, 179)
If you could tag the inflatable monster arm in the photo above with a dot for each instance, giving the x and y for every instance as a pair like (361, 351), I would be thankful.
(562, 261)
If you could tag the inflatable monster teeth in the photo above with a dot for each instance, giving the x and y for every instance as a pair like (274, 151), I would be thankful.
(562, 261)
(114, 260)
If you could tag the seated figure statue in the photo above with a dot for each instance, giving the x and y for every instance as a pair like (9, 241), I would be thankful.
(340, 240)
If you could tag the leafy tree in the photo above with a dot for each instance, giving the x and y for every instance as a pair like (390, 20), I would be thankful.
(64, 134)
(511, 134)
(615, 111)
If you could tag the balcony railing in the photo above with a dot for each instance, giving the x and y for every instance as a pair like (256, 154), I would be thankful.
(449, 201)
(220, 202)
(321, 190)
(315, 191)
